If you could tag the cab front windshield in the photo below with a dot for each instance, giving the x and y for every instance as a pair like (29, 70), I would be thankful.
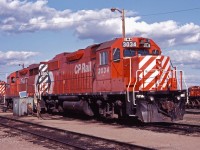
(134, 52)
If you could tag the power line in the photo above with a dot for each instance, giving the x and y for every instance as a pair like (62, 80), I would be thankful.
(171, 12)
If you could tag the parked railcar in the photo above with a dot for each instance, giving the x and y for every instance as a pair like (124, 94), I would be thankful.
(124, 77)
(194, 97)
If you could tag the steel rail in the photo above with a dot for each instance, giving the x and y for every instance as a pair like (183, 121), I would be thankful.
(129, 146)
(42, 136)
(176, 126)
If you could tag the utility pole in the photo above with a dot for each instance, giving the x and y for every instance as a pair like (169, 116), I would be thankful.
(123, 20)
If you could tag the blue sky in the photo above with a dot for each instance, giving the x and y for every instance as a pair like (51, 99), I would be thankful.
(36, 30)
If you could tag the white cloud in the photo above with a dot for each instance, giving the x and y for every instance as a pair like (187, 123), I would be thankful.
(188, 61)
(192, 80)
(17, 57)
(185, 58)
(23, 16)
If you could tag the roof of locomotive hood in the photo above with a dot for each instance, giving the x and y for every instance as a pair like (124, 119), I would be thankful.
(105, 45)
(102, 45)
(108, 44)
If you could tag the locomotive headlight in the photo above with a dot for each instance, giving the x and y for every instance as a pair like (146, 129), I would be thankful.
(140, 96)
(182, 95)
(151, 98)
(178, 98)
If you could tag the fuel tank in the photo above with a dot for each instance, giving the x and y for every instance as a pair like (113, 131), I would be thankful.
(78, 106)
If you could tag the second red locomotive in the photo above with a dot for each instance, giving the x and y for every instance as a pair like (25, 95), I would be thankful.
(123, 77)
(194, 97)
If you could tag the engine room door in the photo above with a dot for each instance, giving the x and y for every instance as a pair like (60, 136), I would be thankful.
(103, 81)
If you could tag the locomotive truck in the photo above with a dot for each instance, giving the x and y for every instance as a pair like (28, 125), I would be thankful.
(123, 77)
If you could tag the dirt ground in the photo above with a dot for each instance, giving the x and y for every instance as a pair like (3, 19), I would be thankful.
(149, 139)
(14, 142)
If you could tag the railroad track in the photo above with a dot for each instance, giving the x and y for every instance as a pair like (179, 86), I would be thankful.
(193, 111)
(169, 127)
(67, 138)
(175, 128)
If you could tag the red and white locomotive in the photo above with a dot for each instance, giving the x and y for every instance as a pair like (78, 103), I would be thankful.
(124, 77)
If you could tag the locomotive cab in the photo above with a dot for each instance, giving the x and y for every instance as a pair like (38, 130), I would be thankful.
(150, 83)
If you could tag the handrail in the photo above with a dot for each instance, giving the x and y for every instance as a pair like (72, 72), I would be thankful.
(186, 87)
(130, 78)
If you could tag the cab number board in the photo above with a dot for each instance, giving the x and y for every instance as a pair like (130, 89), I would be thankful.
(129, 44)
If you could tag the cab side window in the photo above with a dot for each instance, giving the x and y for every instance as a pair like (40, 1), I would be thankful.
(13, 79)
(103, 57)
(116, 54)
(33, 71)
